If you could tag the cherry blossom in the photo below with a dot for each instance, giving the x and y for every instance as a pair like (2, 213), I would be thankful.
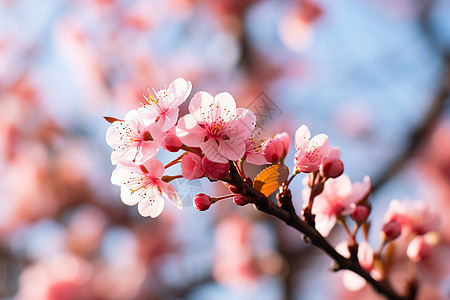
(142, 185)
(131, 140)
(338, 198)
(414, 217)
(216, 126)
(311, 153)
(162, 107)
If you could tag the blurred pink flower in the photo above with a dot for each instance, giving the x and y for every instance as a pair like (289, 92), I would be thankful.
(162, 108)
(353, 281)
(310, 152)
(414, 217)
(131, 140)
(216, 126)
(62, 277)
(419, 249)
(338, 198)
(142, 185)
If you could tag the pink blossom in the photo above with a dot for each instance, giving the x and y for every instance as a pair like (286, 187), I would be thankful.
(338, 198)
(162, 108)
(414, 217)
(419, 249)
(202, 202)
(276, 148)
(191, 166)
(310, 152)
(253, 153)
(131, 140)
(216, 126)
(142, 185)
(353, 281)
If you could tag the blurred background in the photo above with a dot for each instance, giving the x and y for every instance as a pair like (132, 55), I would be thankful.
(373, 75)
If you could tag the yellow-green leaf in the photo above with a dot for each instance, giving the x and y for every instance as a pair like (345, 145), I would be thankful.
(270, 179)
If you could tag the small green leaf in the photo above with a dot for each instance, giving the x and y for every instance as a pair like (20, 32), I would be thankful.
(270, 179)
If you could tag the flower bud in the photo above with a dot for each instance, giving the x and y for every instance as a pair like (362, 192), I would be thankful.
(332, 166)
(360, 214)
(191, 166)
(332, 169)
(240, 200)
(171, 142)
(392, 230)
(276, 148)
(214, 170)
(202, 202)
(419, 249)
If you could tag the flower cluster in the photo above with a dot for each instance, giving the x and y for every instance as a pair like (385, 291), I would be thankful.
(216, 138)
(213, 133)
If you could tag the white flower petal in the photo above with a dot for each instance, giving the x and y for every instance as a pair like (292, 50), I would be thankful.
(151, 207)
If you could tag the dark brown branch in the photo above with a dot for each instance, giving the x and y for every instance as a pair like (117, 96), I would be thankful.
(263, 204)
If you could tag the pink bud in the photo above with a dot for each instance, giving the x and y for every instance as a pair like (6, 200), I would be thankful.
(171, 142)
(276, 148)
(392, 230)
(360, 214)
(202, 202)
(240, 200)
(191, 166)
(332, 166)
(332, 169)
(214, 170)
(418, 249)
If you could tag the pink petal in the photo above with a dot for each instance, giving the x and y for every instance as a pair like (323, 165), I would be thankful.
(352, 281)
(256, 158)
(148, 114)
(200, 105)
(365, 255)
(210, 149)
(189, 132)
(148, 150)
(244, 123)
(169, 118)
(232, 149)
(154, 167)
(302, 136)
(171, 194)
(225, 105)
(133, 120)
(324, 224)
(128, 197)
(152, 207)
(342, 249)
(178, 91)
(359, 190)
(122, 174)
(113, 137)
